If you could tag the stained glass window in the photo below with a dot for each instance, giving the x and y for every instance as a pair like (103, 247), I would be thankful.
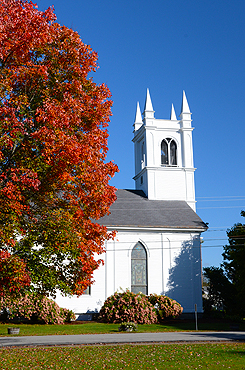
(139, 269)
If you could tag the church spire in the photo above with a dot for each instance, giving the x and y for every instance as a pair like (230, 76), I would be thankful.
(185, 107)
(138, 118)
(163, 153)
(173, 115)
(148, 110)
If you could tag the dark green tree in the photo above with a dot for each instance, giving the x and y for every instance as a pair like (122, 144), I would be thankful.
(234, 263)
(225, 285)
(219, 290)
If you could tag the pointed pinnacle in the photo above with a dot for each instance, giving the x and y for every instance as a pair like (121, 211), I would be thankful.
(173, 115)
(185, 107)
(148, 103)
(138, 117)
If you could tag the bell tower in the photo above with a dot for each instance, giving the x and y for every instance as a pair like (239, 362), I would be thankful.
(163, 149)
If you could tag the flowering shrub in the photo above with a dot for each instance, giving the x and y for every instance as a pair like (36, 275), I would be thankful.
(128, 326)
(68, 315)
(126, 307)
(42, 308)
(165, 306)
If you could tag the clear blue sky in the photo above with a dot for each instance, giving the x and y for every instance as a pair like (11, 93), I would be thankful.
(169, 46)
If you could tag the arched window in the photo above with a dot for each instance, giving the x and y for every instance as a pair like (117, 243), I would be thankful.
(168, 152)
(139, 269)
(142, 155)
(173, 152)
(164, 152)
(142, 151)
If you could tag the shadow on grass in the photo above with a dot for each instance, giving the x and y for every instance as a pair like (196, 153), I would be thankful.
(203, 324)
(93, 327)
(235, 352)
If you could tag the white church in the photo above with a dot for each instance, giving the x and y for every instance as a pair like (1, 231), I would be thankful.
(157, 248)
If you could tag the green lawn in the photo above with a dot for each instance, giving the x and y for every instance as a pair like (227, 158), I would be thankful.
(174, 356)
(96, 327)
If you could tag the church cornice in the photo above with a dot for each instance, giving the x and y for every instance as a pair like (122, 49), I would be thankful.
(163, 168)
(172, 126)
(156, 229)
(186, 129)
(168, 129)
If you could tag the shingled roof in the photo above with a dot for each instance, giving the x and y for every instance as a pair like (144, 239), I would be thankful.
(133, 209)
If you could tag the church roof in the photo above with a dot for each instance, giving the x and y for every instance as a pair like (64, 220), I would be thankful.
(133, 209)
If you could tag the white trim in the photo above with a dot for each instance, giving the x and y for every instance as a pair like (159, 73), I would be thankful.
(163, 168)
(187, 128)
(157, 229)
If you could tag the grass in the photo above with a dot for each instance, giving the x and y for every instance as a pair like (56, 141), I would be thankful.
(100, 328)
(174, 356)
(96, 328)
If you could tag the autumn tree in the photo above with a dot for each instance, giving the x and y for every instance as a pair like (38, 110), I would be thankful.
(53, 144)
(13, 275)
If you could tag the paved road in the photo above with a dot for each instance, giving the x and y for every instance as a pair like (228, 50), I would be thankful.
(49, 340)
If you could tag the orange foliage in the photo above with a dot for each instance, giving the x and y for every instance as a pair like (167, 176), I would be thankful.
(13, 275)
(53, 145)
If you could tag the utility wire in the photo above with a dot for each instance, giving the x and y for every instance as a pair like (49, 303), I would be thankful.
(223, 197)
(219, 207)
(167, 248)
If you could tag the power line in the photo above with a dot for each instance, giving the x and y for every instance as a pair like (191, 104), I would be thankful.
(182, 241)
(223, 197)
(181, 248)
(167, 208)
(220, 200)
(223, 228)
(204, 240)
(176, 241)
(220, 207)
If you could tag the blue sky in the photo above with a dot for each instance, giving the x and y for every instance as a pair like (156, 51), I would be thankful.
(169, 46)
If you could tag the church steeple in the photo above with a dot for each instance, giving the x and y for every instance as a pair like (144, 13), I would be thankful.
(185, 115)
(186, 130)
(148, 110)
(173, 115)
(185, 106)
(164, 155)
(138, 118)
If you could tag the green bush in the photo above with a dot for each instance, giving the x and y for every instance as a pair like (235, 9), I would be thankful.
(128, 326)
(165, 306)
(128, 307)
(36, 307)
(68, 315)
